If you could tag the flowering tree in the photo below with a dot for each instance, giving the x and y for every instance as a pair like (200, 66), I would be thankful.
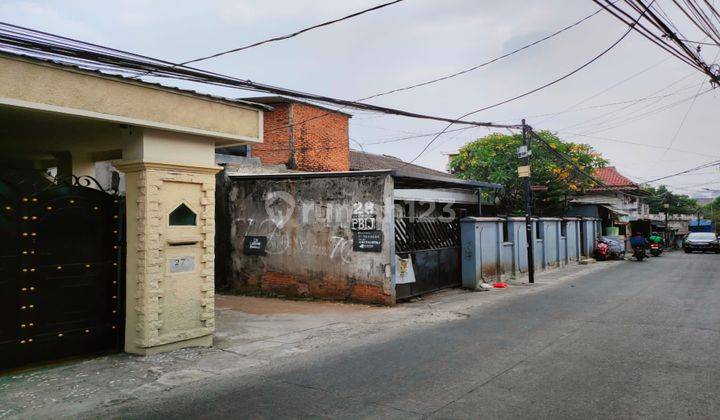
(494, 158)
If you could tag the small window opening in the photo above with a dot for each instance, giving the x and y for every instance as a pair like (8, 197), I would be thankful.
(563, 228)
(182, 216)
(505, 231)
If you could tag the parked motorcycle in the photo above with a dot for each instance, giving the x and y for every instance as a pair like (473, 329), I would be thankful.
(639, 253)
(602, 251)
(655, 249)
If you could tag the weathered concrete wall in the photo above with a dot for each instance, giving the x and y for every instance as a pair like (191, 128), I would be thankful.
(309, 250)
(489, 255)
(481, 240)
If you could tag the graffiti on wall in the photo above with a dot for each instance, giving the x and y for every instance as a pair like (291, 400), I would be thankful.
(328, 223)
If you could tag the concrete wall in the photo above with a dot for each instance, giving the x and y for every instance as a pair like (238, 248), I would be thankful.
(309, 250)
(488, 255)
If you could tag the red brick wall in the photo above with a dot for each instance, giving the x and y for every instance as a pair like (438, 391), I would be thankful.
(321, 141)
(285, 284)
(275, 149)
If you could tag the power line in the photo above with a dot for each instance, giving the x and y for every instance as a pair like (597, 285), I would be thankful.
(546, 85)
(636, 118)
(682, 122)
(288, 36)
(680, 50)
(694, 169)
(470, 69)
(569, 161)
(124, 60)
(639, 144)
(657, 99)
(461, 72)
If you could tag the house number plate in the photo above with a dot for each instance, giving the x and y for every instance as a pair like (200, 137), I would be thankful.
(181, 264)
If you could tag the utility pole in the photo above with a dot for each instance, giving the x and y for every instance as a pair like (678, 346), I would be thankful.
(666, 206)
(524, 153)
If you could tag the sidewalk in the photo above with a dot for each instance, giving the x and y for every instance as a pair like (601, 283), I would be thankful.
(253, 336)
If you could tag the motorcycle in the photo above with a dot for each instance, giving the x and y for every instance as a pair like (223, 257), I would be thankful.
(655, 250)
(639, 253)
(602, 251)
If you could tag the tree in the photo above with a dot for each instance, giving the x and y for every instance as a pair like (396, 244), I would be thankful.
(494, 158)
(679, 204)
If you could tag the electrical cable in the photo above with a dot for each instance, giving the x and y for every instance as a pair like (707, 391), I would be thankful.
(284, 37)
(597, 57)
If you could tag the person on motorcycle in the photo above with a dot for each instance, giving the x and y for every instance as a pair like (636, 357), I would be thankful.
(637, 240)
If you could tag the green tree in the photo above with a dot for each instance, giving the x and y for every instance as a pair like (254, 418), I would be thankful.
(679, 204)
(711, 210)
(494, 158)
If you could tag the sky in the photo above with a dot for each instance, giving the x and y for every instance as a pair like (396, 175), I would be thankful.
(417, 40)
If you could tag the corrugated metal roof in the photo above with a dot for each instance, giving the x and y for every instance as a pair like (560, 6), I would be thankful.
(97, 72)
(363, 161)
(277, 99)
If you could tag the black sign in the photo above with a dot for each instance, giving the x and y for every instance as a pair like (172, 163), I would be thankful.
(367, 240)
(255, 245)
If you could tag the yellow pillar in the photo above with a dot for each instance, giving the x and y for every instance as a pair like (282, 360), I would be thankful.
(170, 212)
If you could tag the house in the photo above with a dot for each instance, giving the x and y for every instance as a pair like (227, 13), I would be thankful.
(89, 265)
(317, 219)
(617, 203)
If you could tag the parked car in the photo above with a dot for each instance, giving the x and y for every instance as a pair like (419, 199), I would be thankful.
(701, 241)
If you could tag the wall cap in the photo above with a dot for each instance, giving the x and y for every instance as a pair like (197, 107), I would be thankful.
(137, 166)
(472, 219)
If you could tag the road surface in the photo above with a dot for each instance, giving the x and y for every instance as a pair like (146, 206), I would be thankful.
(635, 340)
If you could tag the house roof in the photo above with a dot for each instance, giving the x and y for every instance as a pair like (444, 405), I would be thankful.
(363, 161)
(612, 178)
(77, 67)
(402, 178)
(277, 99)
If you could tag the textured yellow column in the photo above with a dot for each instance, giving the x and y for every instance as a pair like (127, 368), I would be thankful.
(170, 259)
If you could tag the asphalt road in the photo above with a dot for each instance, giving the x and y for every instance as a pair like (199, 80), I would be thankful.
(637, 340)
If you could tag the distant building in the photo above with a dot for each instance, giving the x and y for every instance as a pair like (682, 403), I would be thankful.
(617, 203)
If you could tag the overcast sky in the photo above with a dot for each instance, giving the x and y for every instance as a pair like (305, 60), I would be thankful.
(417, 40)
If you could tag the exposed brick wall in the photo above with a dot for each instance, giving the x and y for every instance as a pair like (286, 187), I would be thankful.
(319, 144)
(275, 148)
(322, 143)
(285, 284)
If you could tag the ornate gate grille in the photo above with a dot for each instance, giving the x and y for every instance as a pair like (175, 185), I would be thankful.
(433, 244)
(60, 263)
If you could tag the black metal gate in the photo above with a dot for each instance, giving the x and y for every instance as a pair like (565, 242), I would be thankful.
(60, 263)
(433, 244)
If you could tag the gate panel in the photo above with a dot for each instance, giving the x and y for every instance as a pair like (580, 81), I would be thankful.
(65, 254)
(434, 246)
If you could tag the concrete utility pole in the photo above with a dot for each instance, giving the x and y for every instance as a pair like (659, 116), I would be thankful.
(666, 206)
(524, 153)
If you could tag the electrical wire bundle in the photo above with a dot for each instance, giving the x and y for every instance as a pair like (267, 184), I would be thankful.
(18, 40)
(658, 28)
